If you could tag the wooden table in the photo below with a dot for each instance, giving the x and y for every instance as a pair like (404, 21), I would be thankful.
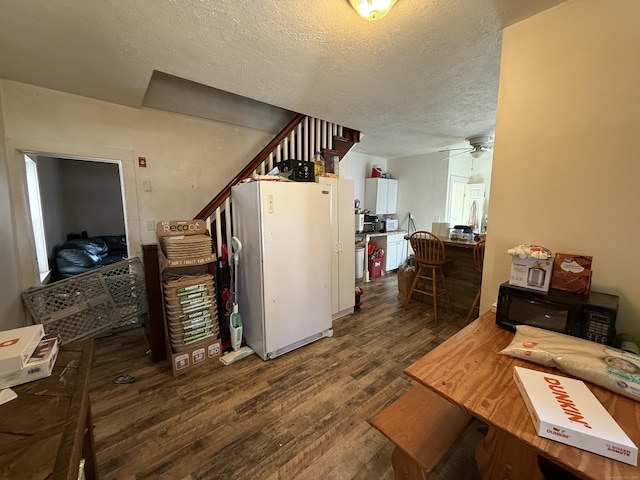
(47, 430)
(468, 371)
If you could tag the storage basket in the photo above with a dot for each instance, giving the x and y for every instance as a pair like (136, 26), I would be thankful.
(301, 171)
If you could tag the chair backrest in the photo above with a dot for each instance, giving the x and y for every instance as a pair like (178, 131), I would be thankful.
(427, 247)
(478, 254)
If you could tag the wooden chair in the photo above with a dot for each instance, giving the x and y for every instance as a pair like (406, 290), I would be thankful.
(430, 258)
(478, 259)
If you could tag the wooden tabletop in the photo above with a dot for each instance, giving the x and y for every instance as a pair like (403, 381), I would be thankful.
(42, 431)
(468, 370)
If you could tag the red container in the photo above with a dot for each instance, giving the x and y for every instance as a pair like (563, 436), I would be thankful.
(375, 267)
(376, 171)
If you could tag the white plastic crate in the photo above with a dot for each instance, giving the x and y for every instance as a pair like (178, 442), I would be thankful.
(90, 303)
(126, 284)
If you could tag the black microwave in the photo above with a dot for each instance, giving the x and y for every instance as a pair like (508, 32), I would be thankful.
(591, 316)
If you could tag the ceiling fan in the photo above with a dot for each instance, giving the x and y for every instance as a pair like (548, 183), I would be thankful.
(480, 146)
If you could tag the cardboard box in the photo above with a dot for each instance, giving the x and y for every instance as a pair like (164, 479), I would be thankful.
(531, 273)
(564, 409)
(199, 354)
(179, 228)
(16, 347)
(39, 365)
(572, 273)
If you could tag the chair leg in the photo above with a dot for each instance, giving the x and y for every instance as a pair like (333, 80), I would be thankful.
(434, 289)
(473, 308)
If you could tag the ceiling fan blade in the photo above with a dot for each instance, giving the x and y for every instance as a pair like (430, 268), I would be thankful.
(452, 149)
(467, 150)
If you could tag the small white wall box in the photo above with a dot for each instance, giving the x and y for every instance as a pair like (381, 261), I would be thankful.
(564, 409)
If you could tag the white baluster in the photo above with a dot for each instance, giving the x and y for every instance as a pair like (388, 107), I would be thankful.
(324, 135)
(227, 221)
(299, 141)
(318, 142)
(218, 232)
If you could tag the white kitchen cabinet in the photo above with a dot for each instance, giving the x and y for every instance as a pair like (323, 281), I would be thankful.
(342, 246)
(381, 195)
(394, 255)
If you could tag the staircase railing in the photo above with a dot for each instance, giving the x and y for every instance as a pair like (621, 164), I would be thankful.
(298, 140)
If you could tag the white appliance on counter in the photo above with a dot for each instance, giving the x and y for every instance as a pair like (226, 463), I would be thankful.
(284, 275)
(359, 223)
(390, 224)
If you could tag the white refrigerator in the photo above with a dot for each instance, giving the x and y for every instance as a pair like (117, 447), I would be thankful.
(284, 266)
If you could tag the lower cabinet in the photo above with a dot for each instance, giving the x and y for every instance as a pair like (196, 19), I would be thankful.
(394, 256)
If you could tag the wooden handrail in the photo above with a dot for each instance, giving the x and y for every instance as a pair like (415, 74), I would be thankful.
(219, 199)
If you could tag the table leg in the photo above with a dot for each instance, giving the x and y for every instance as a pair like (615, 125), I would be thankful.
(89, 450)
(501, 456)
(366, 259)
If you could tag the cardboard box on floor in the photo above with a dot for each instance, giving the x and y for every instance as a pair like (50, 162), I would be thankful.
(200, 353)
(205, 351)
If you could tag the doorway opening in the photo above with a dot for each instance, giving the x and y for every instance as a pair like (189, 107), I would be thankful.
(73, 199)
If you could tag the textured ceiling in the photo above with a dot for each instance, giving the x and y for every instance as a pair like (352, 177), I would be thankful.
(421, 79)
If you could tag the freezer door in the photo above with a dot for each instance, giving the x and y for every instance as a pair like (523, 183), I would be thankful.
(296, 261)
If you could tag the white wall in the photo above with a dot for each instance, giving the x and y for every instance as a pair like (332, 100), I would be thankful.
(357, 166)
(51, 198)
(11, 313)
(566, 165)
(422, 188)
(92, 198)
(188, 161)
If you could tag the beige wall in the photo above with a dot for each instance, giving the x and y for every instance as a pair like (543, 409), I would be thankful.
(566, 164)
(357, 166)
(188, 161)
(10, 302)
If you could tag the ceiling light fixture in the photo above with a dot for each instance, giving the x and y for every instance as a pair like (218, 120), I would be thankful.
(482, 146)
(372, 9)
(480, 152)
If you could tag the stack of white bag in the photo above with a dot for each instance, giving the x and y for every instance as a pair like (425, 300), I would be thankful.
(608, 367)
(530, 251)
(26, 355)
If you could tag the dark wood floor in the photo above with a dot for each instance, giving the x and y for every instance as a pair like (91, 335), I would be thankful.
(303, 415)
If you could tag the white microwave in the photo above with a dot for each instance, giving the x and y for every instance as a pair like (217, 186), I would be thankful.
(391, 225)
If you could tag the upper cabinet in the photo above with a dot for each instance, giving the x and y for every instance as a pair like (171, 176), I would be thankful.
(381, 195)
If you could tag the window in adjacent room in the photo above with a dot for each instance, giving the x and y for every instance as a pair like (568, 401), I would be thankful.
(35, 208)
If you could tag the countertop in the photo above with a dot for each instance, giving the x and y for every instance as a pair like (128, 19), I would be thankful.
(381, 234)
(459, 244)
(451, 243)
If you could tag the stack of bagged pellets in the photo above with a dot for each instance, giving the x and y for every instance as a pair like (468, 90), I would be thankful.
(186, 246)
(191, 309)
